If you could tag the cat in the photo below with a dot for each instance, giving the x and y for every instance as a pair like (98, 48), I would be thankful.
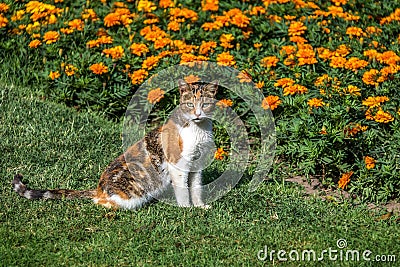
(171, 154)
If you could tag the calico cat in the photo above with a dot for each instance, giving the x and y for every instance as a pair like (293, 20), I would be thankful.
(174, 153)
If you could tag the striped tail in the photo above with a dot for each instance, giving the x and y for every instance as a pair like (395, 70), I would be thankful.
(23, 191)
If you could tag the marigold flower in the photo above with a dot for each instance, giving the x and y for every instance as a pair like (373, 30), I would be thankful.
(269, 62)
(138, 76)
(354, 128)
(146, 6)
(76, 24)
(4, 8)
(315, 102)
(345, 180)
(296, 28)
(51, 37)
(112, 19)
(174, 26)
(371, 77)
(225, 59)
(138, 49)
(220, 154)
(355, 31)
(155, 95)
(284, 82)
(372, 102)
(209, 5)
(150, 62)
(369, 162)
(70, 69)
(116, 52)
(35, 43)
(3, 21)
(98, 68)
(353, 90)
(240, 20)
(383, 117)
(206, 47)
(54, 75)
(224, 103)
(293, 89)
(338, 62)
(271, 102)
(166, 3)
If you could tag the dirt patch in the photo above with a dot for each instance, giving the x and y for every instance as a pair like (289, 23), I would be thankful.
(313, 187)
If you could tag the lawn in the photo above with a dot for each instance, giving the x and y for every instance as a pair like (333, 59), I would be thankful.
(55, 146)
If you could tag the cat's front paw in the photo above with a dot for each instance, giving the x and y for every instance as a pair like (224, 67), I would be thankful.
(205, 207)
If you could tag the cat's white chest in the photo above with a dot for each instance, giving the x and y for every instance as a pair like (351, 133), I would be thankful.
(197, 145)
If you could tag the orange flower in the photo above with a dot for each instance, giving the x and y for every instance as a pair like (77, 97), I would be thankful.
(226, 40)
(220, 154)
(269, 61)
(70, 69)
(353, 90)
(337, 62)
(98, 68)
(4, 8)
(116, 52)
(355, 31)
(296, 28)
(271, 102)
(76, 24)
(138, 76)
(150, 62)
(371, 77)
(54, 75)
(383, 117)
(3, 21)
(225, 59)
(293, 89)
(306, 55)
(224, 103)
(315, 102)
(138, 49)
(372, 102)
(211, 5)
(112, 19)
(146, 6)
(51, 37)
(166, 3)
(354, 128)
(240, 20)
(174, 26)
(191, 79)
(155, 95)
(369, 162)
(284, 82)
(35, 43)
(206, 47)
(345, 180)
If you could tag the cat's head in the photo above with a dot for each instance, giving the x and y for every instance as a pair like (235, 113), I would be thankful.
(197, 100)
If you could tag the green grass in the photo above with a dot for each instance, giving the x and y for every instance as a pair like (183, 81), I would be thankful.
(54, 146)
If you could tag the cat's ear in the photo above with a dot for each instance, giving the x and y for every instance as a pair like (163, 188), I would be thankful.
(212, 87)
(183, 86)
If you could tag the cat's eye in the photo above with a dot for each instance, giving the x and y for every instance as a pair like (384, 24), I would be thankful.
(189, 105)
(206, 105)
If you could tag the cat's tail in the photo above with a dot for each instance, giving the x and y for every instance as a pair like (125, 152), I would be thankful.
(23, 191)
